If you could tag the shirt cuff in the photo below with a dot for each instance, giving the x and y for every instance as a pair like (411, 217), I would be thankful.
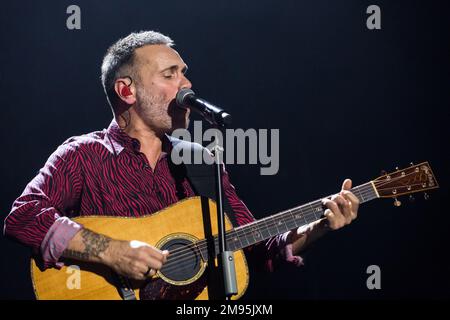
(281, 253)
(287, 253)
(56, 241)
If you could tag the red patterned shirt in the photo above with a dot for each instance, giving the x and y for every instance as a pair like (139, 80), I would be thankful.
(102, 173)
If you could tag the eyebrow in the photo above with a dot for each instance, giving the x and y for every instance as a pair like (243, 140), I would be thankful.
(175, 68)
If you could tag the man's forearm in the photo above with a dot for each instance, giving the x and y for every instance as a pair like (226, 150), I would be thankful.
(133, 259)
(302, 238)
(87, 245)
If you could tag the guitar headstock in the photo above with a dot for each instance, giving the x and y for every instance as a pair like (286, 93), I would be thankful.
(415, 178)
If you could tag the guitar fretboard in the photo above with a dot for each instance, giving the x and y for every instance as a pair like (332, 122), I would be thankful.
(284, 221)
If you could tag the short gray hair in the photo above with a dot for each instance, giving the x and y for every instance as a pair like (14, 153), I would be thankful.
(120, 57)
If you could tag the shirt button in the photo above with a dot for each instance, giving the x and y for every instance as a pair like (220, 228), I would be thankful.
(146, 166)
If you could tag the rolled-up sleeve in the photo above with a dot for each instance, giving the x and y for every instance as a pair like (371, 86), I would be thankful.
(38, 217)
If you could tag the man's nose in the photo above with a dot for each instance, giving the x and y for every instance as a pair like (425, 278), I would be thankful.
(185, 83)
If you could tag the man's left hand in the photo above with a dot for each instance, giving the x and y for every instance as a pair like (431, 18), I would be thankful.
(342, 208)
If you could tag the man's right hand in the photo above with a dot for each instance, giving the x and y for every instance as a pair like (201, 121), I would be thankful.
(134, 259)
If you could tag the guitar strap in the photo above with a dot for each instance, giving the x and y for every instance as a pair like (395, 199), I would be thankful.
(201, 176)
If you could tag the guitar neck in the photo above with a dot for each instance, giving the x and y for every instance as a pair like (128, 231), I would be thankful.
(284, 221)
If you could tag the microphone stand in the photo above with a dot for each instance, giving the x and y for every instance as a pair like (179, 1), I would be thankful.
(226, 257)
(219, 119)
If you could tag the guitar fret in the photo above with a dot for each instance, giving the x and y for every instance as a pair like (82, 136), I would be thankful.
(233, 240)
(275, 224)
(265, 229)
(282, 223)
(303, 215)
(313, 211)
(273, 227)
(360, 195)
(292, 225)
(256, 232)
(368, 193)
(316, 209)
(251, 234)
(244, 238)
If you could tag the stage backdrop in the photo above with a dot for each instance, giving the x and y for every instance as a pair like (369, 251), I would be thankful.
(351, 94)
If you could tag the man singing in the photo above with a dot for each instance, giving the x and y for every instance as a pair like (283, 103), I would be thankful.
(125, 170)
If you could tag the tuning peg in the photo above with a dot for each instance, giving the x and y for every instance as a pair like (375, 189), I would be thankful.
(383, 172)
(411, 198)
(411, 163)
(426, 196)
(396, 168)
(397, 202)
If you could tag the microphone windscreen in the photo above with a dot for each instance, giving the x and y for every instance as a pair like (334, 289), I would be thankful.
(181, 96)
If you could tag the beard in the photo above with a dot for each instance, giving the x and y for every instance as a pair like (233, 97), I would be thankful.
(160, 113)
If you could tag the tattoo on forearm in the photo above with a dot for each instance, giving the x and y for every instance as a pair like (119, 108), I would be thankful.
(94, 245)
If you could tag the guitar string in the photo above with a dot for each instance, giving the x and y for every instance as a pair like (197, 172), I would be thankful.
(384, 182)
(201, 244)
(180, 255)
(272, 217)
(365, 188)
(183, 258)
(409, 191)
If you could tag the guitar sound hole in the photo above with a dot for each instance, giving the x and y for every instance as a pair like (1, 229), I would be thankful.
(184, 261)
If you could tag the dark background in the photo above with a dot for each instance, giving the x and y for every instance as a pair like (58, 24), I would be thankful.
(348, 101)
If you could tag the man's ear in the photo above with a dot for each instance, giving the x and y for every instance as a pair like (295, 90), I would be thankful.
(125, 90)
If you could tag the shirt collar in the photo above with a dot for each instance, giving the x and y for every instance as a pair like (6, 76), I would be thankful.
(121, 140)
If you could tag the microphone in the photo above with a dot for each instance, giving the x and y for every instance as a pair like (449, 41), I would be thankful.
(214, 115)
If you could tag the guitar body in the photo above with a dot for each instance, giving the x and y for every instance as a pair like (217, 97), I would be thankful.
(172, 228)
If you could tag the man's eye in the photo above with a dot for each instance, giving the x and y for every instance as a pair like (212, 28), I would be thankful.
(168, 76)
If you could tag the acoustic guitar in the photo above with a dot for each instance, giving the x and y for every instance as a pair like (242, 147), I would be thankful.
(188, 229)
